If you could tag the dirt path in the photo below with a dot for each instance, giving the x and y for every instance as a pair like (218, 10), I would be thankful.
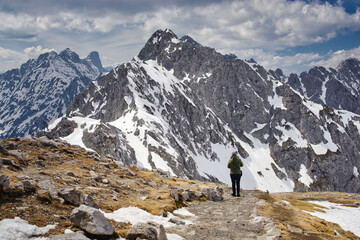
(233, 218)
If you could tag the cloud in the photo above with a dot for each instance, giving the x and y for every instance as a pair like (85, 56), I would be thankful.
(120, 28)
(334, 58)
(270, 60)
(11, 59)
(296, 63)
(275, 24)
(34, 52)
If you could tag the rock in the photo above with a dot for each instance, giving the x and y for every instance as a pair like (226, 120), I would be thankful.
(176, 194)
(47, 188)
(28, 187)
(69, 236)
(3, 150)
(10, 162)
(76, 198)
(214, 194)
(72, 196)
(177, 221)
(69, 173)
(89, 201)
(4, 183)
(1, 164)
(91, 220)
(105, 181)
(149, 230)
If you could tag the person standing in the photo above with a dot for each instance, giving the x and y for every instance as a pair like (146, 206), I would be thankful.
(235, 165)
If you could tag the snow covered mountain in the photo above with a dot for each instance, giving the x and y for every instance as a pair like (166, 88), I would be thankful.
(184, 108)
(42, 89)
(338, 88)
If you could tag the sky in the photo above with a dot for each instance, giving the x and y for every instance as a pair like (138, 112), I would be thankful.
(293, 35)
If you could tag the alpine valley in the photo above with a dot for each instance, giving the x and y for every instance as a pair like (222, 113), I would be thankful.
(184, 108)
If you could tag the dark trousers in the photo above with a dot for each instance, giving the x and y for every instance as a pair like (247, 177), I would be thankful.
(235, 180)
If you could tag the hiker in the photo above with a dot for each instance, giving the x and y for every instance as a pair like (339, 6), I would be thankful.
(235, 165)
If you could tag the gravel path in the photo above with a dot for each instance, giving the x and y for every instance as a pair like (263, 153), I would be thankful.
(233, 218)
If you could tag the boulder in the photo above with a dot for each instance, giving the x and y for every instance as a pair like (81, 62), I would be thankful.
(28, 187)
(3, 150)
(76, 198)
(47, 191)
(149, 230)
(72, 196)
(89, 201)
(214, 194)
(91, 220)
(4, 183)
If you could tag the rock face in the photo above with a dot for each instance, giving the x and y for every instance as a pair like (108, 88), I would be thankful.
(91, 220)
(338, 88)
(41, 89)
(184, 108)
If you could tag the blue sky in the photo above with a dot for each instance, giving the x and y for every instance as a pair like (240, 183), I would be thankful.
(292, 35)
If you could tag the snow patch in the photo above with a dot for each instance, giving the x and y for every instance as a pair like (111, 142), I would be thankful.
(136, 215)
(17, 228)
(356, 172)
(347, 217)
(305, 178)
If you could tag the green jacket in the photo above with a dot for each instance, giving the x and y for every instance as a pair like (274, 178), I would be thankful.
(235, 164)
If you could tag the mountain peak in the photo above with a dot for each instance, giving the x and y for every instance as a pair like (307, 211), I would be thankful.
(95, 59)
(188, 39)
(162, 36)
(348, 63)
(67, 53)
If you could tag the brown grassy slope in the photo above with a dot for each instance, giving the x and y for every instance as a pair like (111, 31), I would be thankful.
(111, 185)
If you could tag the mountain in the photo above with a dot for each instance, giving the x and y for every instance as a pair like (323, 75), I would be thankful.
(338, 88)
(41, 89)
(184, 108)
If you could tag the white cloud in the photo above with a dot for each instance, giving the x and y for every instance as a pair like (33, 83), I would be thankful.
(270, 60)
(295, 63)
(263, 25)
(274, 25)
(11, 59)
(334, 58)
(34, 52)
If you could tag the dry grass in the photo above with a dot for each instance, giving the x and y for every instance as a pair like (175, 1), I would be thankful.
(71, 167)
(287, 209)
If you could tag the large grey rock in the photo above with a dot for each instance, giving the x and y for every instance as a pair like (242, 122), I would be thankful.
(72, 196)
(4, 183)
(214, 194)
(76, 198)
(91, 220)
(149, 230)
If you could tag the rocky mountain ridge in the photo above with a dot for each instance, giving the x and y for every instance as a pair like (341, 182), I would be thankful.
(337, 88)
(39, 92)
(183, 108)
